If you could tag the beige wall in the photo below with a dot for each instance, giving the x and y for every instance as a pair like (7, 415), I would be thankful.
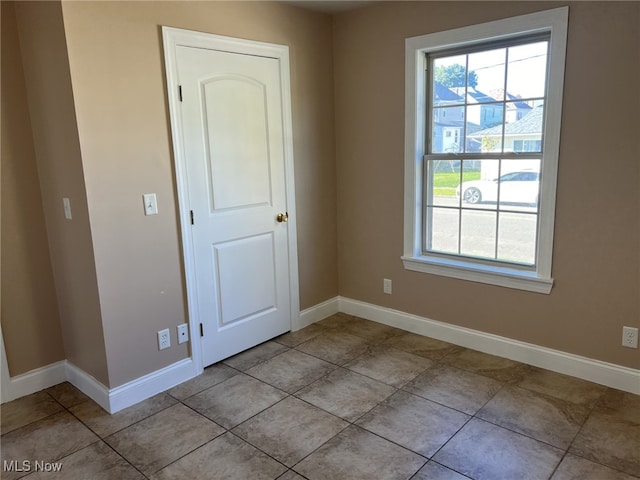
(29, 307)
(116, 63)
(596, 250)
(57, 152)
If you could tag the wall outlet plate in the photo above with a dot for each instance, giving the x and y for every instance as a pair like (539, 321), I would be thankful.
(387, 286)
(183, 333)
(630, 337)
(164, 339)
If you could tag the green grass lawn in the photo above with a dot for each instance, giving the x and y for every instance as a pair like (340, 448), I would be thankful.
(445, 183)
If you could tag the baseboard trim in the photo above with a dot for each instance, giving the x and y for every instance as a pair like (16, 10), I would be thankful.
(112, 400)
(611, 375)
(88, 385)
(149, 385)
(116, 399)
(34, 381)
(317, 312)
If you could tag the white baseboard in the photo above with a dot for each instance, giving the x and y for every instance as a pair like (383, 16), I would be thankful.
(145, 387)
(88, 385)
(317, 312)
(34, 381)
(116, 399)
(615, 376)
(112, 400)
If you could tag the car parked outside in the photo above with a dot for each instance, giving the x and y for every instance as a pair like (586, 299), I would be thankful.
(515, 187)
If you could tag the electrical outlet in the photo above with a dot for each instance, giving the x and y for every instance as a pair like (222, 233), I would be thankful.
(386, 286)
(164, 339)
(629, 337)
(183, 333)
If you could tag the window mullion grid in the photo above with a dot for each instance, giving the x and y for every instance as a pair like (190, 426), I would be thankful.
(502, 143)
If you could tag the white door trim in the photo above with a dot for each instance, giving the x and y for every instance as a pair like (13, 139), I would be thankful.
(172, 38)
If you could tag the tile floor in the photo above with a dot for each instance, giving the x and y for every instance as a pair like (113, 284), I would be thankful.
(342, 399)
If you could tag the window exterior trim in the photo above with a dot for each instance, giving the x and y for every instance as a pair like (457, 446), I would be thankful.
(540, 281)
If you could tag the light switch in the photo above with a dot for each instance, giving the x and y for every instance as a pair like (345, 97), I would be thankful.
(67, 208)
(150, 204)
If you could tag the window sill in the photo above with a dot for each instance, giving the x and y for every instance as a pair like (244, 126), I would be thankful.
(492, 275)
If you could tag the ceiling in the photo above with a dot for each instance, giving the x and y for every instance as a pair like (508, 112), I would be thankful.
(329, 6)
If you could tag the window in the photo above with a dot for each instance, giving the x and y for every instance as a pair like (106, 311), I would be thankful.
(482, 209)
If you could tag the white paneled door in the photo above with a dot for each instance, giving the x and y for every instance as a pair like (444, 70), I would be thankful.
(234, 151)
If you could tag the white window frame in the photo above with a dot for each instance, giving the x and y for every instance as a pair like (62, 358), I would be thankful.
(540, 280)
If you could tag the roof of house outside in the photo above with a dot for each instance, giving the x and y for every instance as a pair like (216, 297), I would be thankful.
(529, 124)
(444, 94)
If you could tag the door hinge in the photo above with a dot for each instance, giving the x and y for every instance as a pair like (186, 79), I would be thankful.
(191, 214)
(180, 92)
(201, 331)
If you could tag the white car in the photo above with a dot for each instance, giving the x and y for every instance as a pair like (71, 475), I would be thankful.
(515, 187)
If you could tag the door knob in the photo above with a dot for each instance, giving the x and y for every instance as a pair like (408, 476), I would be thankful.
(282, 217)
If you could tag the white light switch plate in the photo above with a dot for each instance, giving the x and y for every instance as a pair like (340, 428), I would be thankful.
(150, 204)
(66, 203)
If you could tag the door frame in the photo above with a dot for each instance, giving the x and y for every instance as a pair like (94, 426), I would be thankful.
(172, 38)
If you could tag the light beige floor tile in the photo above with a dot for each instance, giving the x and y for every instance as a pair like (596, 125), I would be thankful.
(544, 418)
(373, 332)
(161, 439)
(389, 365)
(67, 394)
(576, 468)
(45, 440)
(25, 410)
(337, 321)
(435, 471)
(498, 368)
(293, 339)
(227, 457)
(611, 440)
(561, 386)
(256, 355)
(290, 475)
(105, 424)
(346, 394)
(484, 451)
(455, 388)
(359, 455)
(95, 462)
(414, 423)
(290, 430)
(211, 376)
(423, 346)
(290, 371)
(235, 400)
(620, 404)
(334, 347)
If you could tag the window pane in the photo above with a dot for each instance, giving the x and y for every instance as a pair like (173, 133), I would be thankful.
(484, 128)
(524, 135)
(447, 129)
(449, 80)
(478, 233)
(527, 70)
(519, 184)
(445, 177)
(478, 189)
(444, 229)
(517, 237)
(487, 68)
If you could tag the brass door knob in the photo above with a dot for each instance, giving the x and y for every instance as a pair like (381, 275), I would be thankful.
(282, 217)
